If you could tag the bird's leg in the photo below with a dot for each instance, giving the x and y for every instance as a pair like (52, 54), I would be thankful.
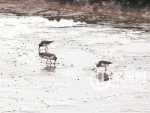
(50, 63)
(39, 49)
(54, 62)
(47, 62)
(97, 72)
(105, 69)
(45, 49)
(97, 69)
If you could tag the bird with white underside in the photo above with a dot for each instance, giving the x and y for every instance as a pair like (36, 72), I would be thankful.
(45, 44)
(104, 64)
(49, 57)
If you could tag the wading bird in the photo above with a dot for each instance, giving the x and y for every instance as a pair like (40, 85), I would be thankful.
(49, 57)
(104, 64)
(45, 43)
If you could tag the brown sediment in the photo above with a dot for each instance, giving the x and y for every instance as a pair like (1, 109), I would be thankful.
(88, 14)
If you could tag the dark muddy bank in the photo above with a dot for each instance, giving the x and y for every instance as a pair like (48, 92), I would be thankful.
(122, 3)
(56, 11)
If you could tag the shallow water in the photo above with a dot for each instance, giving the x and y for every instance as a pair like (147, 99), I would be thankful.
(27, 85)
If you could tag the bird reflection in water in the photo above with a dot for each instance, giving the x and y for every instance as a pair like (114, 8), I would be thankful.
(102, 77)
(50, 68)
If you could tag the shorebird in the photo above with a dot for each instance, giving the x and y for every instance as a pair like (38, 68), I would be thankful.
(104, 64)
(49, 57)
(45, 43)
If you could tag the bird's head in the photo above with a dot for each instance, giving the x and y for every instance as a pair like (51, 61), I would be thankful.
(97, 65)
(40, 54)
(40, 45)
(55, 58)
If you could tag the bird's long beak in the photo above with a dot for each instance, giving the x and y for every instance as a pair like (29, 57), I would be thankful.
(96, 64)
(39, 49)
(96, 70)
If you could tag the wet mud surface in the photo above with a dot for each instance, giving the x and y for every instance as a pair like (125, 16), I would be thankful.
(27, 85)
